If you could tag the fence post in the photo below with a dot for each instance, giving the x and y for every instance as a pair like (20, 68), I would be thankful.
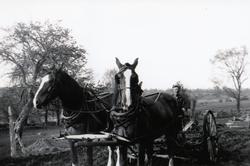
(13, 152)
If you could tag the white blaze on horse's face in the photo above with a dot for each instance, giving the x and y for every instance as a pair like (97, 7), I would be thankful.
(127, 74)
(45, 79)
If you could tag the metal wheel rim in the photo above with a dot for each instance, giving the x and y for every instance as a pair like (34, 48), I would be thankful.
(210, 134)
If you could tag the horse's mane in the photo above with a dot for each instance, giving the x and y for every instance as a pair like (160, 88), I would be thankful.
(60, 74)
(67, 78)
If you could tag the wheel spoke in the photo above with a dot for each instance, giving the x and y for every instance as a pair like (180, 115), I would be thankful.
(210, 132)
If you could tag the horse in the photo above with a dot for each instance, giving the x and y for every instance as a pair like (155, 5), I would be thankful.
(83, 111)
(141, 119)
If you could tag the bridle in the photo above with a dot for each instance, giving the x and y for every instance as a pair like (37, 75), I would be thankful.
(120, 89)
(51, 89)
(119, 86)
(123, 118)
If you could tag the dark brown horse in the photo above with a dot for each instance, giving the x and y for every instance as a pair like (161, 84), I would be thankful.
(83, 111)
(141, 119)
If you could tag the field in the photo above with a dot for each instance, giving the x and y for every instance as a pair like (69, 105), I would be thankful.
(45, 150)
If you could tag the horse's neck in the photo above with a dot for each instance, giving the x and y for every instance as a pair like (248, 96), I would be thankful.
(72, 98)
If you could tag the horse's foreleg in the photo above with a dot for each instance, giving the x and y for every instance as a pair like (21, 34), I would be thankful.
(73, 150)
(141, 160)
(90, 156)
(171, 161)
(111, 158)
(149, 148)
(172, 146)
(122, 158)
(118, 162)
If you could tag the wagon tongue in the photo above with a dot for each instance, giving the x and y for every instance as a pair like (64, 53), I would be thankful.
(86, 137)
(118, 137)
(187, 126)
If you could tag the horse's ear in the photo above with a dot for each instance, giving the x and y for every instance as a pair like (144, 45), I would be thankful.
(45, 70)
(52, 68)
(61, 66)
(58, 67)
(118, 63)
(135, 63)
(140, 84)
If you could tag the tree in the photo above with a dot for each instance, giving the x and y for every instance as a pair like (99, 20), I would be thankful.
(232, 62)
(9, 97)
(108, 78)
(33, 49)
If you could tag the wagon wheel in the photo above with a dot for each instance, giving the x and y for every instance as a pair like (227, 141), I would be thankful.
(210, 136)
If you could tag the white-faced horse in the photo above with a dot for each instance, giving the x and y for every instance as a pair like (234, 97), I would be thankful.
(83, 111)
(141, 119)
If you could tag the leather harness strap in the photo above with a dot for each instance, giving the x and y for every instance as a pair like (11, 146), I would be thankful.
(92, 113)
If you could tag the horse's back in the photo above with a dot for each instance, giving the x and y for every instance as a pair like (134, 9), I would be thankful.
(160, 110)
(160, 99)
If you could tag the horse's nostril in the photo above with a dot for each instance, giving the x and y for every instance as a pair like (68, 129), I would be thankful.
(37, 102)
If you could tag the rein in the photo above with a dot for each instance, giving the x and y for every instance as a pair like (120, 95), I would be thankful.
(121, 118)
(97, 99)
(85, 109)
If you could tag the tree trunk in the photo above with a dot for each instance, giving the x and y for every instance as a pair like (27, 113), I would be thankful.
(19, 124)
(46, 118)
(13, 152)
(58, 117)
(238, 104)
(238, 99)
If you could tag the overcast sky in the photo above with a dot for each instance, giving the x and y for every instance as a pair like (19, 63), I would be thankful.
(173, 39)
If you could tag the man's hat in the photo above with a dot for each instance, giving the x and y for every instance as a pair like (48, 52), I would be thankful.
(177, 85)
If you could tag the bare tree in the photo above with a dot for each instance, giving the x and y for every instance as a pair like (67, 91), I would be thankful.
(108, 78)
(33, 49)
(232, 62)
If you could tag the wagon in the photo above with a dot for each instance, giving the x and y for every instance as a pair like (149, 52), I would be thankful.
(153, 111)
(200, 142)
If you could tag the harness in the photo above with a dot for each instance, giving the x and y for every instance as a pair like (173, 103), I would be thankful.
(126, 121)
(89, 107)
(123, 120)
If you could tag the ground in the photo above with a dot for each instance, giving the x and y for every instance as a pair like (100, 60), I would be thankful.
(44, 149)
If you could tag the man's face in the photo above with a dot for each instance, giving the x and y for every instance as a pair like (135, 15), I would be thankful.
(175, 89)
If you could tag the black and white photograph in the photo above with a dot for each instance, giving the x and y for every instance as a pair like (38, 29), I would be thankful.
(124, 83)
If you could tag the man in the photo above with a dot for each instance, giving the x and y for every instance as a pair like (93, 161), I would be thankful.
(178, 92)
(180, 100)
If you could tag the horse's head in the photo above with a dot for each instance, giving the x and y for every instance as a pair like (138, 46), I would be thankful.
(47, 90)
(127, 88)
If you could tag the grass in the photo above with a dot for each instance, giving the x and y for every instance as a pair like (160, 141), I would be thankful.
(227, 106)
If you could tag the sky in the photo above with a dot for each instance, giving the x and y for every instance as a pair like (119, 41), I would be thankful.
(173, 39)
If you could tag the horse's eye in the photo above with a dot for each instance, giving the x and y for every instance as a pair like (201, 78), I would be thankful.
(117, 76)
(134, 75)
(36, 84)
(49, 89)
